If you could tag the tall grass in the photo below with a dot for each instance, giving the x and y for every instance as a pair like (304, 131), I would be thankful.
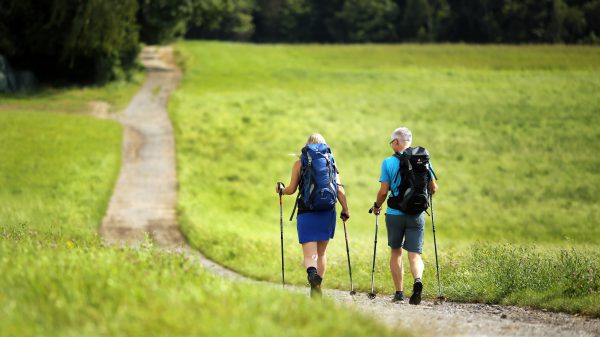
(512, 132)
(563, 280)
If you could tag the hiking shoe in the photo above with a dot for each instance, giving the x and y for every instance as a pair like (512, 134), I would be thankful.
(398, 297)
(415, 298)
(315, 285)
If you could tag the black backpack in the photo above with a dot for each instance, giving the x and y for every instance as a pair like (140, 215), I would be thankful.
(413, 192)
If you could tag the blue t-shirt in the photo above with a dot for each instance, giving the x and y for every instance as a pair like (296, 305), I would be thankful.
(389, 169)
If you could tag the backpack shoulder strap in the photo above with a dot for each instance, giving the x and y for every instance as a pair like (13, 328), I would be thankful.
(299, 192)
(395, 179)
(332, 161)
(295, 205)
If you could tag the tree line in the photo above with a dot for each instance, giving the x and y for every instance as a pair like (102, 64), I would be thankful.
(98, 40)
(479, 21)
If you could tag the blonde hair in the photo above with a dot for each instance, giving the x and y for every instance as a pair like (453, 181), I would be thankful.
(315, 138)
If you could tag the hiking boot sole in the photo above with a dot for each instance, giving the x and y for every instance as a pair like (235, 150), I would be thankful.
(415, 298)
(315, 285)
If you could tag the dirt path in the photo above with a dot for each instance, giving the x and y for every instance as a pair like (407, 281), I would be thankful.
(144, 202)
(145, 196)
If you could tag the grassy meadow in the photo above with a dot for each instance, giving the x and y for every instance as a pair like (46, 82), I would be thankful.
(513, 133)
(57, 278)
(74, 100)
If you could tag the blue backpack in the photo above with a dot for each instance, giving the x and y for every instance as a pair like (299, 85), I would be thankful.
(318, 185)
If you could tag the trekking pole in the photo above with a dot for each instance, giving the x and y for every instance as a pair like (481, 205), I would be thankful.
(372, 295)
(352, 292)
(437, 266)
(281, 231)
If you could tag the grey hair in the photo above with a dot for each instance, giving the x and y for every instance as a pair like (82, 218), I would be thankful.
(315, 138)
(403, 135)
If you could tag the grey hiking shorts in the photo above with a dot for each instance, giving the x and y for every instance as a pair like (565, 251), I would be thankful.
(406, 231)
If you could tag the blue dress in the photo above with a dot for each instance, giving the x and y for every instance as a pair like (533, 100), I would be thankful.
(315, 226)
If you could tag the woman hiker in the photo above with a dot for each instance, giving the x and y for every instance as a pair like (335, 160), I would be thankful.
(318, 180)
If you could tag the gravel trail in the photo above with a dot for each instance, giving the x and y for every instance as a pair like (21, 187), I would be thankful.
(144, 200)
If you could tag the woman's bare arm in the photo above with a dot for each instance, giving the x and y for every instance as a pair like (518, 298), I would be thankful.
(342, 199)
(294, 180)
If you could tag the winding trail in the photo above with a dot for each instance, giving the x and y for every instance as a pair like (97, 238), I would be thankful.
(145, 196)
(144, 201)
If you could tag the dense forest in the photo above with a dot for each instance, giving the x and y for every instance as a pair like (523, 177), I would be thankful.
(97, 40)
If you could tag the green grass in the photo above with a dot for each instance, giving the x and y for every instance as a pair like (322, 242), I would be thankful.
(52, 287)
(566, 280)
(74, 99)
(512, 131)
(57, 172)
(41, 154)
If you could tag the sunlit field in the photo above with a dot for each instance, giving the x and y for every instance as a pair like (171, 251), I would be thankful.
(512, 132)
(57, 173)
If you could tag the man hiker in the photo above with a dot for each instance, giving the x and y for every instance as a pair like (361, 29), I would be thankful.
(405, 228)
